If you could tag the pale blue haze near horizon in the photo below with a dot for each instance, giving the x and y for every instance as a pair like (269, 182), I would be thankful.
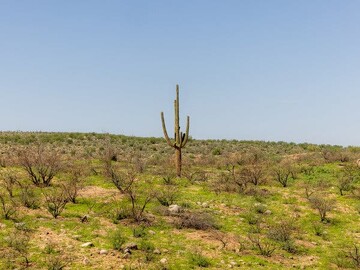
(248, 70)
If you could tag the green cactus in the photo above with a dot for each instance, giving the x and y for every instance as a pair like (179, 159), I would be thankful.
(180, 138)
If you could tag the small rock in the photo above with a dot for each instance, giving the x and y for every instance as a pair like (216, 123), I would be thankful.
(156, 251)
(233, 263)
(86, 261)
(268, 212)
(2, 226)
(165, 250)
(163, 261)
(103, 252)
(151, 232)
(84, 219)
(174, 208)
(127, 251)
(131, 246)
(205, 205)
(87, 244)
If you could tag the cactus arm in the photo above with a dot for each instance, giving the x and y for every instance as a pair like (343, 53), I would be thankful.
(164, 130)
(185, 140)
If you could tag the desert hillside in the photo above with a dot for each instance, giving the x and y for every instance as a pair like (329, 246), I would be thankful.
(102, 201)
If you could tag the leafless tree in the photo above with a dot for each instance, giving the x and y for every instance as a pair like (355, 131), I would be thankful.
(40, 164)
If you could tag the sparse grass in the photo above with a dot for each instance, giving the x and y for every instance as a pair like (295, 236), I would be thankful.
(210, 222)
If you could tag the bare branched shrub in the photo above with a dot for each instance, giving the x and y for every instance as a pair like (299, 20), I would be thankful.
(238, 178)
(9, 179)
(283, 232)
(128, 184)
(139, 199)
(55, 200)
(254, 173)
(283, 173)
(221, 237)
(7, 205)
(40, 164)
(73, 184)
(262, 245)
(122, 180)
(198, 221)
(223, 183)
(139, 162)
(322, 205)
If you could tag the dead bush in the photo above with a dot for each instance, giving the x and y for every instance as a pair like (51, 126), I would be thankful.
(55, 200)
(197, 221)
(9, 179)
(283, 173)
(40, 164)
(139, 198)
(123, 180)
(73, 183)
(262, 245)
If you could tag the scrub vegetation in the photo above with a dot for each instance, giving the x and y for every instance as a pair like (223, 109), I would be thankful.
(102, 201)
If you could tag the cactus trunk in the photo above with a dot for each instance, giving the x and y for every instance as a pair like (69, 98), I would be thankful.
(180, 139)
(178, 161)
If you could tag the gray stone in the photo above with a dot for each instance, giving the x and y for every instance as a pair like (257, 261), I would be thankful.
(156, 251)
(131, 246)
(103, 252)
(87, 244)
(174, 208)
(163, 261)
(268, 212)
(86, 261)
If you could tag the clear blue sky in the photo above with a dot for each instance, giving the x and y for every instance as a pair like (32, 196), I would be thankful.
(248, 70)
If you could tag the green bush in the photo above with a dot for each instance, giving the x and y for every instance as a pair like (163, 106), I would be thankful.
(199, 260)
(117, 239)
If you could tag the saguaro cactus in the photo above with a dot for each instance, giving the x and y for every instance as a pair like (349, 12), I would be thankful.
(180, 138)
